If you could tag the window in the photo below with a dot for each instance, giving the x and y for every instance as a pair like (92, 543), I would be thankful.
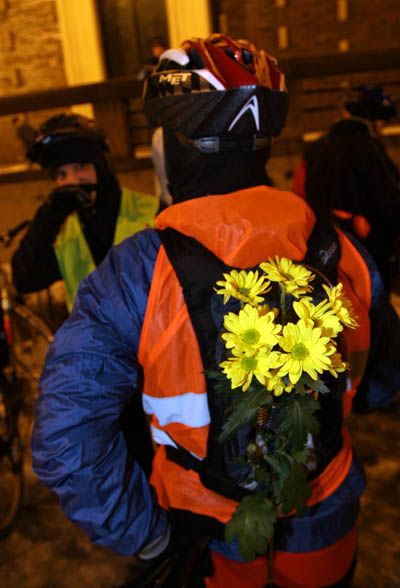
(128, 29)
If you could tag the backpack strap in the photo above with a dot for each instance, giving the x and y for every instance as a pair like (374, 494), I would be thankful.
(197, 270)
(323, 251)
(323, 255)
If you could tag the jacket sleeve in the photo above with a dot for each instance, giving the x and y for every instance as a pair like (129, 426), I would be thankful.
(381, 380)
(89, 377)
(34, 263)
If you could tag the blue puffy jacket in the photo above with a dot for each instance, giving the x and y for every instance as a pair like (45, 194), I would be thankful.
(90, 375)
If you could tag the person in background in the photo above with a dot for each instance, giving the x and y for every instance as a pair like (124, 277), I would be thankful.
(158, 46)
(149, 313)
(85, 214)
(83, 217)
(348, 176)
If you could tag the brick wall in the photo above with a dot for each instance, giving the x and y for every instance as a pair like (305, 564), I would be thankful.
(313, 27)
(30, 50)
(30, 59)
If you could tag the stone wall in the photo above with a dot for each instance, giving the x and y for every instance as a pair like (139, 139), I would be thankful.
(30, 59)
(30, 49)
(313, 27)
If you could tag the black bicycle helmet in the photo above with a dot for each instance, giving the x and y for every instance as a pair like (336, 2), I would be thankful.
(370, 102)
(68, 138)
(217, 94)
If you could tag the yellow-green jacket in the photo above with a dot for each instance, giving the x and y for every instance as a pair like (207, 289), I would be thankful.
(137, 211)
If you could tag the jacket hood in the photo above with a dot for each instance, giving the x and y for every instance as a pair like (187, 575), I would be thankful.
(244, 227)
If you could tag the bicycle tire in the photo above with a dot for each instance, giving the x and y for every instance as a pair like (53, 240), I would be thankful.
(11, 462)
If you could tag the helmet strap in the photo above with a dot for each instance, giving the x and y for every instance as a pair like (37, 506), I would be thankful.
(223, 143)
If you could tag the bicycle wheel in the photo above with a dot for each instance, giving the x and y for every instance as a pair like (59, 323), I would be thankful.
(11, 470)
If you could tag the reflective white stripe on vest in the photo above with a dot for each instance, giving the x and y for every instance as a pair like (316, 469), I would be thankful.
(162, 438)
(187, 409)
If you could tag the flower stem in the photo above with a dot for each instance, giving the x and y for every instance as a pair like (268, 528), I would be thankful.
(283, 303)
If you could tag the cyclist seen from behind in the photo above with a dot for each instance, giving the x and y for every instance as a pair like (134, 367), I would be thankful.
(150, 312)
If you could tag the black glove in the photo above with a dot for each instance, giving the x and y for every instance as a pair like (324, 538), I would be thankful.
(185, 553)
(50, 217)
(66, 199)
(187, 528)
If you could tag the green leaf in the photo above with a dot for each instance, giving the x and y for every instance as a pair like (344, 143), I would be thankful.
(221, 383)
(281, 463)
(296, 419)
(262, 475)
(252, 525)
(302, 457)
(295, 491)
(244, 410)
(317, 385)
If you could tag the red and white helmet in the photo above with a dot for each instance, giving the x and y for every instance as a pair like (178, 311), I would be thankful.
(217, 94)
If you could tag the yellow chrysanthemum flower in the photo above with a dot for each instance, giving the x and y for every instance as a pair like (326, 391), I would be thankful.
(337, 364)
(341, 306)
(276, 385)
(295, 278)
(245, 286)
(242, 367)
(265, 309)
(248, 330)
(305, 351)
(321, 316)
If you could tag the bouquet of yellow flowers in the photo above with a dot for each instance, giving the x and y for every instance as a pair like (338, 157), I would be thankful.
(277, 360)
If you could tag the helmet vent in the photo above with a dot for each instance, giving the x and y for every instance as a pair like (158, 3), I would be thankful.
(248, 57)
(230, 54)
(196, 60)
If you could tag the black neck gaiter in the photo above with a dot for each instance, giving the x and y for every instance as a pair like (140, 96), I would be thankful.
(192, 174)
(99, 220)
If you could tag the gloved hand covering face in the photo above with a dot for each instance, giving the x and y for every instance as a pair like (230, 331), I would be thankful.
(72, 197)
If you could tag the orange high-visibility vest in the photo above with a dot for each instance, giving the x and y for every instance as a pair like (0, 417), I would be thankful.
(359, 224)
(242, 229)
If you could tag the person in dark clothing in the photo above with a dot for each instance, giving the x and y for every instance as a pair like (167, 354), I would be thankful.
(158, 46)
(71, 233)
(348, 176)
(84, 215)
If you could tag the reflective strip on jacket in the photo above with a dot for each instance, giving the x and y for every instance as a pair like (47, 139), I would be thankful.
(137, 211)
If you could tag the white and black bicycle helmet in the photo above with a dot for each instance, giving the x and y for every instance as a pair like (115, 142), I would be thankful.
(217, 94)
